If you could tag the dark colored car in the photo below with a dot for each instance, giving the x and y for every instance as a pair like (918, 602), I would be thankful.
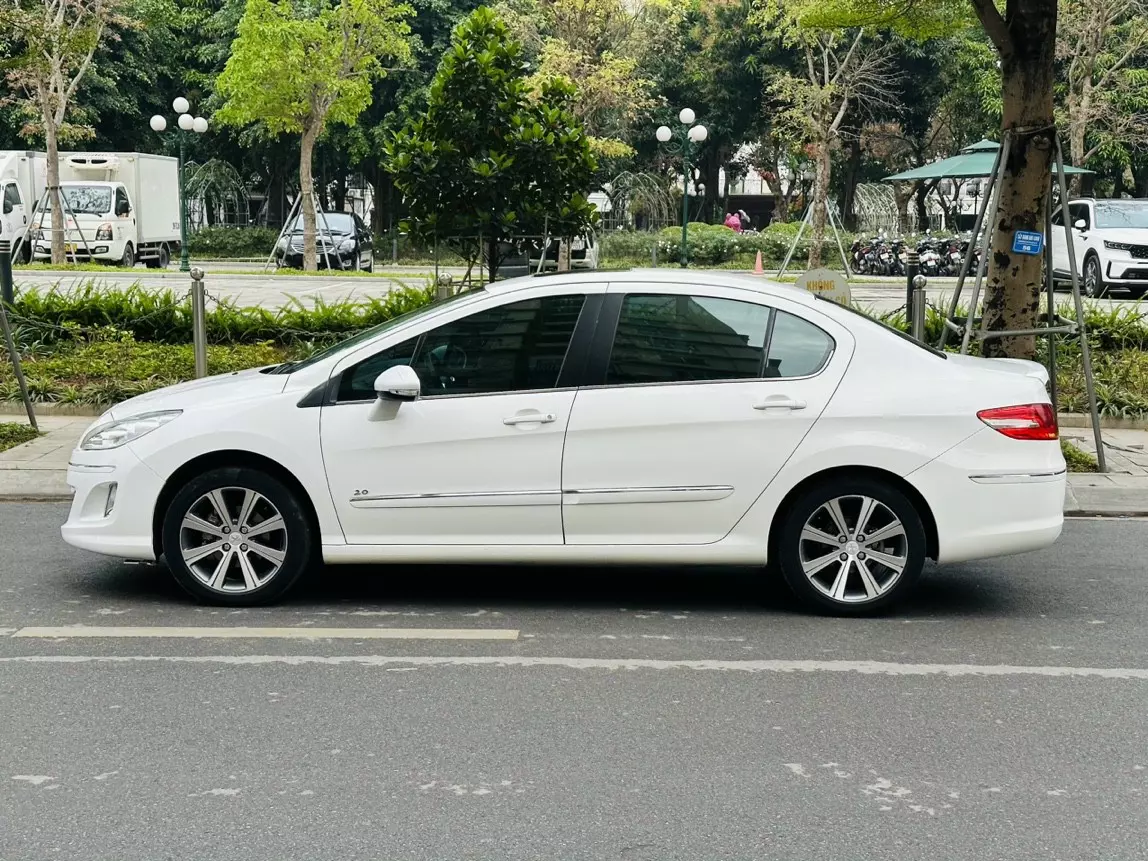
(342, 241)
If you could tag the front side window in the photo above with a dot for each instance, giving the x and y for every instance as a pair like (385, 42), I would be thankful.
(511, 348)
(1079, 212)
(12, 195)
(121, 201)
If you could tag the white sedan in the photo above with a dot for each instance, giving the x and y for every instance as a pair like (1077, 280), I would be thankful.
(657, 417)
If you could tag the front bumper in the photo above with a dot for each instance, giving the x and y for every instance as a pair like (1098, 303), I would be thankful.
(123, 526)
(340, 260)
(1126, 273)
(101, 251)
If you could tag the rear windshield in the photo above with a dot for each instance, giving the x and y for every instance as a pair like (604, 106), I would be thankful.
(886, 327)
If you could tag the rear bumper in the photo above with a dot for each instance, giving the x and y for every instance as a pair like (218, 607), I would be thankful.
(992, 496)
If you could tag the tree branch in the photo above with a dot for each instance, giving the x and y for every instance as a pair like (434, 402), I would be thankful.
(995, 27)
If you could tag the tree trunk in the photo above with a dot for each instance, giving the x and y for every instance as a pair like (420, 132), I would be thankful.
(902, 194)
(820, 204)
(1078, 108)
(306, 199)
(1013, 295)
(51, 144)
(852, 173)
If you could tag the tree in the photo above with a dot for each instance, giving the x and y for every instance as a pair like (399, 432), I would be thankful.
(54, 42)
(1103, 45)
(299, 71)
(490, 158)
(843, 70)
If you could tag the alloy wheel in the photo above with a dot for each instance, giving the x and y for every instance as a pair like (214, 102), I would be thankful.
(853, 549)
(233, 540)
(1091, 277)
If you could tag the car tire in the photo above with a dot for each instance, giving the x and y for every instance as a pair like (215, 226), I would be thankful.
(833, 566)
(128, 261)
(1092, 278)
(270, 544)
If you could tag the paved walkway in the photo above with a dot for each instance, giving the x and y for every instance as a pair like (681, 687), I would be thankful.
(38, 469)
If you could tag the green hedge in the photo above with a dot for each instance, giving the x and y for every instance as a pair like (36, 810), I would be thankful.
(714, 244)
(165, 317)
(232, 242)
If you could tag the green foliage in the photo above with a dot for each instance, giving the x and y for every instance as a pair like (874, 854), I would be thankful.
(232, 242)
(1078, 461)
(60, 316)
(288, 70)
(13, 434)
(489, 157)
(714, 244)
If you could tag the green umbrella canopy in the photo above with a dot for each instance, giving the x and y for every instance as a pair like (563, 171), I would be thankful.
(970, 163)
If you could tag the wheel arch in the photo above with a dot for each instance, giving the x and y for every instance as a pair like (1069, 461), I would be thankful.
(217, 460)
(928, 521)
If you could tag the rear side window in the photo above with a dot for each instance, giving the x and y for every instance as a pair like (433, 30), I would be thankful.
(677, 338)
(797, 348)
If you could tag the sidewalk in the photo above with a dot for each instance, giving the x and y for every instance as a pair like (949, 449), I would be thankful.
(37, 470)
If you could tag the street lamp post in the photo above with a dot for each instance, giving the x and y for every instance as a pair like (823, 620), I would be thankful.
(187, 123)
(688, 136)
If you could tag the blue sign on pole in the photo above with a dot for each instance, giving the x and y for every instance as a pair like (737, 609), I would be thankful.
(1027, 242)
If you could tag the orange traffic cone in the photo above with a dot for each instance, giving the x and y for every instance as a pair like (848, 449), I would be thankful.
(757, 268)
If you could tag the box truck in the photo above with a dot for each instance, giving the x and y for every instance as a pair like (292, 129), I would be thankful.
(23, 175)
(120, 208)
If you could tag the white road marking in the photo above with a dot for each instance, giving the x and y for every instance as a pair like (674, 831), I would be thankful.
(242, 633)
(861, 667)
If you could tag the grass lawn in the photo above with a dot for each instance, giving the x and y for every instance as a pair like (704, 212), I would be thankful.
(13, 434)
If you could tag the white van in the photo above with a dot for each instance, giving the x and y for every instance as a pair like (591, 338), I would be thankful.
(119, 208)
(23, 177)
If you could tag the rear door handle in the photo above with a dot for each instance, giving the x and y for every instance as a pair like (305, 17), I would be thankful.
(530, 418)
(780, 403)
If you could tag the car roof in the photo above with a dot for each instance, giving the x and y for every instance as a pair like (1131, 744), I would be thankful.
(711, 277)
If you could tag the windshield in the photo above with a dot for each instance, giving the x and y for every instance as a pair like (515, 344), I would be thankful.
(336, 222)
(1122, 213)
(886, 327)
(367, 334)
(85, 199)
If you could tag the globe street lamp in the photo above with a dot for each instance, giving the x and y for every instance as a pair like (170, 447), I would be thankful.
(187, 123)
(688, 136)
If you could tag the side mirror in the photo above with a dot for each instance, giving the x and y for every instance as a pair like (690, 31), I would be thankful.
(399, 383)
(1080, 224)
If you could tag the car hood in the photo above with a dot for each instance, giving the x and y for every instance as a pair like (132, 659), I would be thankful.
(236, 386)
(1009, 366)
(1131, 235)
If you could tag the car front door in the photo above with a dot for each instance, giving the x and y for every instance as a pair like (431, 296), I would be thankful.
(696, 397)
(477, 458)
(14, 217)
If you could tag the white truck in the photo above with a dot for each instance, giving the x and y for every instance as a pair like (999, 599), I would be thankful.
(23, 175)
(120, 208)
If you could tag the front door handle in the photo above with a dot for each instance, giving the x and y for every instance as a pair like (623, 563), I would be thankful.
(530, 418)
(780, 403)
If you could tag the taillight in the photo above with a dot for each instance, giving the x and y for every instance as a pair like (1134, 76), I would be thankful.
(1028, 421)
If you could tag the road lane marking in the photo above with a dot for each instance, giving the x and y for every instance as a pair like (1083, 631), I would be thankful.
(244, 633)
(859, 667)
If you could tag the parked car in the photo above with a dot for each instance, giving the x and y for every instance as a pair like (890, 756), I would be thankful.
(644, 417)
(342, 241)
(1110, 238)
(583, 253)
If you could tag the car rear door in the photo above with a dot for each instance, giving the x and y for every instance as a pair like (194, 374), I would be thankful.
(695, 398)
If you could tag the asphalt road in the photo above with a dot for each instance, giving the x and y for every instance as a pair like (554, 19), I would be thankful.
(634, 715)
(247, 285)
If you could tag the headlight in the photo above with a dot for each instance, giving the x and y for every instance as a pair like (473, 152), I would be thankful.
(347, 246)
(117, 433)
(104, 232)
(1118, 246)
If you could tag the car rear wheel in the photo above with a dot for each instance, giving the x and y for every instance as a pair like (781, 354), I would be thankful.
(236, 537)
(851, 546)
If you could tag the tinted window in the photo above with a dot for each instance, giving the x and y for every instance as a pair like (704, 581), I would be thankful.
(671, 339)
(1079, 212)
(1058, 217)
(512, 348)
(336, 222)
(12, 195)
(797, 348)
(358, 381)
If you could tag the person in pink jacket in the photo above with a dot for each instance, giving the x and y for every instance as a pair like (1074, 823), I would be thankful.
(733, 222)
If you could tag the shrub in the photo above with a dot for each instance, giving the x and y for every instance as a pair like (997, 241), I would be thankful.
(231, 242)
(715, 244)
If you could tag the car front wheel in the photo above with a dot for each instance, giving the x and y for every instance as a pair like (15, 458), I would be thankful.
(1093, 279)
(236, 537)
(851, 546)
